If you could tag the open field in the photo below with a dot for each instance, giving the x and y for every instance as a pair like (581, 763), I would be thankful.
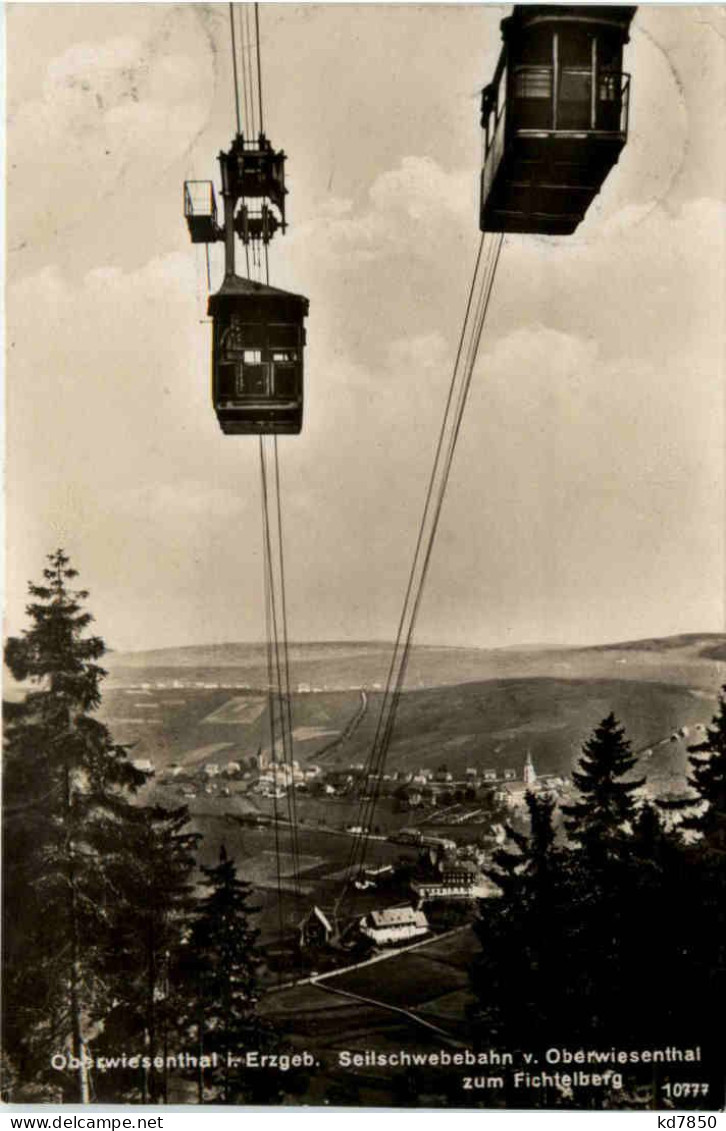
(413, 983)
(176, 729)
(324, 859)
(242, 709)
(491, 724)
(431, 982)
(494, 724)
(244, 844)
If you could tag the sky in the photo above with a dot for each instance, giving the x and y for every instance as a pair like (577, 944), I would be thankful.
(586, 501)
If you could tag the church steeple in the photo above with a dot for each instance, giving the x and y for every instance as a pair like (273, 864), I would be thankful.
(529, 774)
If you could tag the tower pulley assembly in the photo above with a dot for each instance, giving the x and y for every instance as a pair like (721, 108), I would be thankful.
(251, 170)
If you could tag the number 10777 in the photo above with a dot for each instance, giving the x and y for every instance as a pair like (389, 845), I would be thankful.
(680, 1090)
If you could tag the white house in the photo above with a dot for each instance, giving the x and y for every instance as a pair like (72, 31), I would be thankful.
(394, 925)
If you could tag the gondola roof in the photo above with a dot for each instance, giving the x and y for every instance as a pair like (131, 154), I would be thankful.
(237, 286)
(620, 15)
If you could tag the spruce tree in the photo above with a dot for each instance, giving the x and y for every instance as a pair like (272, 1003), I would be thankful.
(156, 898)
(66, 810)
(652, 887)
(518, 977)
(222, 971)
(600, 825)
(708, 780)
(600, 819)
(704, 907)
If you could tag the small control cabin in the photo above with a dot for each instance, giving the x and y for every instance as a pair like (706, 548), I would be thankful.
(555, 116)
(257, 357)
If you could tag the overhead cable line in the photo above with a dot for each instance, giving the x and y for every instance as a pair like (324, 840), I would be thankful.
(274, 568)
(285, 695)
(476, 310)
(259, 70)
(234, 68)
(248, 70)
(279, 694)
(384, 705)
(271, 700)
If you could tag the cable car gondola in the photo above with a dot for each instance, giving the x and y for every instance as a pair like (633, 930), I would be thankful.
(257, 357)
(258, 334)
(555, 116)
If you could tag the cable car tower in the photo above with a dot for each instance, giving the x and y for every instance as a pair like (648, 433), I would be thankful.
(258, 338)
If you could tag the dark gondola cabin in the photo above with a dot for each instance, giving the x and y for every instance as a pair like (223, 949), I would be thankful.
(257, 357)
(555, 116)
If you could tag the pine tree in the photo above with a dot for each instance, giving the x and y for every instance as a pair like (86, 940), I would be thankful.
(518, 977)
(222, 964)
(704, 905)
(600, 825)
(66, 809)
(602, 817)
(708, 779)
(652, 887)
(525, 875)
(156, 897)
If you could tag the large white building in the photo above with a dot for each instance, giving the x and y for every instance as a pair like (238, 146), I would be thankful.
(457, 879)
(394, 925)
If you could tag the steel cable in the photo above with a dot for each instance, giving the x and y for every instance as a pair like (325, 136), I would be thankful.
(373, 756)
(451, 424)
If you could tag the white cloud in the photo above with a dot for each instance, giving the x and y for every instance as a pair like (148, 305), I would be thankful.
(405, 208)
(111, 116)
(421, 190)
(422, 352)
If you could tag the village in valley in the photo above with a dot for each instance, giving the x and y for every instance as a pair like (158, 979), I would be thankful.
(437, 824)
(422, 882)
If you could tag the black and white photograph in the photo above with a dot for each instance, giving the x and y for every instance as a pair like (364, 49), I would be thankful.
(364, 698)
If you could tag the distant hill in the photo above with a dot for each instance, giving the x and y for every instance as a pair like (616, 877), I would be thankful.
(492, 724)
(241, 654)
(694, 659)
(699, 643)
(462, 706)
(496, 723)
